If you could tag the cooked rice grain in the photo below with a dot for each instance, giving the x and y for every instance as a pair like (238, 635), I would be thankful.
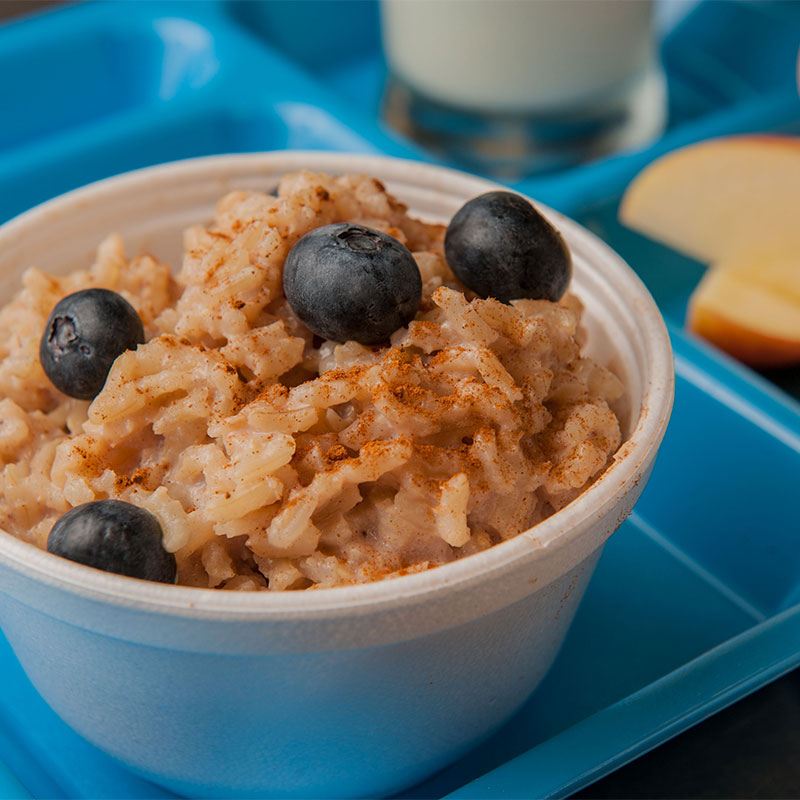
(277, 462)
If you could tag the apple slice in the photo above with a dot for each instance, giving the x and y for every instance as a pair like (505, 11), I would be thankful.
(721, 199)
(751, 310)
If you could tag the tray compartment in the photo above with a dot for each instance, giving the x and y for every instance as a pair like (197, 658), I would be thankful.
(180, 130)
(65, 82)
(320, 50)
(724, 475)
(699, 51)
(206, 87)
(725, 487)
(636, 624)
(293, 125)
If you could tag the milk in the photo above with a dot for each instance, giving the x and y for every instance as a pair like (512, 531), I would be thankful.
(519, 56)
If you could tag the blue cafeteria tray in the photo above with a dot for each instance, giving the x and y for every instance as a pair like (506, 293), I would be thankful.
(696, 600)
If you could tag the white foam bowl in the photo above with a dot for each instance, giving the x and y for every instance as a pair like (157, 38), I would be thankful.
(352, 691)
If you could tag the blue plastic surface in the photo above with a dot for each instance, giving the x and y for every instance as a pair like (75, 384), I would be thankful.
(710, 556)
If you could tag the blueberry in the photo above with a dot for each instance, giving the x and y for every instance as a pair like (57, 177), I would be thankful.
(115, 537)
(85, 332)
(352, 282)
(500, 246)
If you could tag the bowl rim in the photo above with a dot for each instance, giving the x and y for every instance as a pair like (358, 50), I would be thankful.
(552, 533)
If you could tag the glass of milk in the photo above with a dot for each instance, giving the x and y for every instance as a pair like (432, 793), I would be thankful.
(515, 87)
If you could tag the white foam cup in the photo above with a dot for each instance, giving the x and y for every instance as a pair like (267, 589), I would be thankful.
(352, 691)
